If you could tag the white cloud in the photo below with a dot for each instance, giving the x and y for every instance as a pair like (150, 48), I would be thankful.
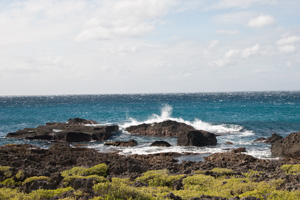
(250, 51)
(213, 44)
(287, 48)
(126, 18)
(261, 21)
(288, 40)
(228, 32)
(238, 4)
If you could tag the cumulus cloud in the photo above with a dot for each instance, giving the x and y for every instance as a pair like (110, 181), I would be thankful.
(250, 51)
(126, 18)
(261, 21)
(287, 44)
(237, 4)
(288, 40)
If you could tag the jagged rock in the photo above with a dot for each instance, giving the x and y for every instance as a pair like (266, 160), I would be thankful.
(165, 128)
(74, 130)
(196, 138)
(129, 143)
(229, 143)
(239, 150)
(177, 185)
(207, 197)
(172, 196)
(160, 144)
(288, 146)
(270, 140)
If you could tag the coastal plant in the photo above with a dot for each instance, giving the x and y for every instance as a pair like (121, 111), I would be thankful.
(199, 182)
(11, 182)
(159, 178)
(100, 170)
(6, 171)
(20, 174)
(36, 178)
(119, 191)
(45, 194)
(222, 171)
(291, 169)
(95, 178)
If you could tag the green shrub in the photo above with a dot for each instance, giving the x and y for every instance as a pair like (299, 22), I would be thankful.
(115, 191)
(199, 182)
(11, 182)
(45, 194)
(36, 178)
(5, 170)
(20, 174)
(222, 171)
(291, 169)
(100, 170)
(159, 178)
(96, 179)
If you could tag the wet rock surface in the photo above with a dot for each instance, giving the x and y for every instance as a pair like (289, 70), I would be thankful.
(163, 129)
(74, 130)
(288, 146)
(160, 144)
(196, 138)
(270, 140)
(129, 143)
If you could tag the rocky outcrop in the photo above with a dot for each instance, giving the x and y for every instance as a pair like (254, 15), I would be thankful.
(288, 146)
(74, 130)
(160, 144)
(270, 140)
(239, 150)
(129, 143)
(163, 129)
(196, 138)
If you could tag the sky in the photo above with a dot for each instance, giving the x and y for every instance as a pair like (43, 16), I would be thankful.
(53, 47)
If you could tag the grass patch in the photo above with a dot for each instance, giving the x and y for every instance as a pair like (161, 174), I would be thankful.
(222, 171)
(5, 170)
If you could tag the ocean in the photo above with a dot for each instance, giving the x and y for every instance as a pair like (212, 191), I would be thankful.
(239, 117)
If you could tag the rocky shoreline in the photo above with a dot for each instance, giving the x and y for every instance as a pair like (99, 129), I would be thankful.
(67, 172)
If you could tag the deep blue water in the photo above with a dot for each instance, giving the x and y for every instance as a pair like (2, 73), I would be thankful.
(240, 117)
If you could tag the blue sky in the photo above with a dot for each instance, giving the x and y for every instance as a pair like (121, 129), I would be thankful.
(148, 46)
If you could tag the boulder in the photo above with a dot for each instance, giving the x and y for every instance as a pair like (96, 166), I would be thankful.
(162, 129)
(196, 138)
(160, 144)
(129, 143)
(239, 150)
(270, 140)
(288, 146)
(74, 130)
(229, 143)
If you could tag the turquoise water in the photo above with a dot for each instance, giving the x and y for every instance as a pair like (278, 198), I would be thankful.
(237, 117)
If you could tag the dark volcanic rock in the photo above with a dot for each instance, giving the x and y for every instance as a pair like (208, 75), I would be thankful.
(74, 130)
(275, 137)
(229, 143)
(166, 128)
(160, 144)
(239, 150)
(196, 138)
(288, 146)
(172, 196)
(129, 143)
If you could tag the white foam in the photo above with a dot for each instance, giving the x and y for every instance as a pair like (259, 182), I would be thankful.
(166, 113)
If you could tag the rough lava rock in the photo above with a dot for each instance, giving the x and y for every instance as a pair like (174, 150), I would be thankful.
(288, 146)
(162, 129)
(160, 144)
(74, 130)
(196, 138)
(270, 140)
(129, 143)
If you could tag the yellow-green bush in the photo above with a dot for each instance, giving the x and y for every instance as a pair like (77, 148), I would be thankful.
(36, 178)
(11, 182)
(159, 178)
(14, 194)
(20, 174)
(115, 191)
(199, 182)
(96, 178)
(100, 170)
(291, 169)
(5, 170)
(222, 171)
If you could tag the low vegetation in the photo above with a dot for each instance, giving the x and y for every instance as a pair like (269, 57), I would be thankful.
(155, 185)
